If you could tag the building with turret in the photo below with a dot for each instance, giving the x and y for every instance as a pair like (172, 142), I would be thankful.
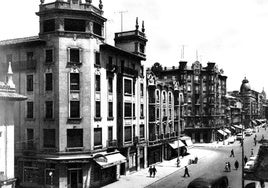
(8, 98)
(83, 123)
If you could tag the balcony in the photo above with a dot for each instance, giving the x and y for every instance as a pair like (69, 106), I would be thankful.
(74, 149)
(112, 144)
(129, 71)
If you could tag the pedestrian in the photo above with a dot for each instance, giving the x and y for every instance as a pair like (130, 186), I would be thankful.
(251, 153)
(236, 164)
(226, 167)
(229, 166)
(262, 137)
(150, 171)
(154, 171)
(178, 162)
(245, 159)
(232, 153)
(186, 172)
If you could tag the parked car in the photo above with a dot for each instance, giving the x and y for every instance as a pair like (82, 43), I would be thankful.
(249, 166)
(213, 182)
(239, 136)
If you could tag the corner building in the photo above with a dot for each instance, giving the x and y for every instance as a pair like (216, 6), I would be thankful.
(83, 123)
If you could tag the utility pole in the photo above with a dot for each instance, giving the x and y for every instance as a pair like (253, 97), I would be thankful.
(122, 18)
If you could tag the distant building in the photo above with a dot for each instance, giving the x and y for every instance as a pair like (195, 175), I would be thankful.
(8, 97)
(203, 88)
(83, 123)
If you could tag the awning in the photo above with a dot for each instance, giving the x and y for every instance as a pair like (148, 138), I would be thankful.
(187, 140)
(71, 158)
(222, 132)
(237, 126)
(254, 122)
(227, 131)
(174, 144)
(109, 160)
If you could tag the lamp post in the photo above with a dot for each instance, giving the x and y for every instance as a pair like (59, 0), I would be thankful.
(179, 97)
(242, 143)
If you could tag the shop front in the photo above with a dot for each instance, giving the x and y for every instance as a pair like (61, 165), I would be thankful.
(154, 154)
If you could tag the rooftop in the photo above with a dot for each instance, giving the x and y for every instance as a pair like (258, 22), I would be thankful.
(20, 40)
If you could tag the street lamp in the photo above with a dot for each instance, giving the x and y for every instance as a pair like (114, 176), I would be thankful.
(178, 89)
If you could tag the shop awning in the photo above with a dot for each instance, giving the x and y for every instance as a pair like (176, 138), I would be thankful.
(71, 158)
(222, 132)
(237, 126)
(227, 131)
(187, 140)
(254, 122)
(174, 144)
(109, 160)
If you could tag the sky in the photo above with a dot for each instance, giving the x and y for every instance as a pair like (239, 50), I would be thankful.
(231, 33)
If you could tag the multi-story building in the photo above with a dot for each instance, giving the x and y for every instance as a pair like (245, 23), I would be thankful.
(8, 97)
(83, 123)
(203, 91)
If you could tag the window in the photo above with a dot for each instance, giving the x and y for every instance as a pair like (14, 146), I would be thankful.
(30, 109)
(169, 98)
(128, 109)
(74, 138)
(97, 58)
(49, 25)
(134, 112)
(74, 81)
(49, 109)
(29, 83)
(188, 87)
(142, 111)
(98, 109)
(142, 48)
(127, 87)
(9, 58)
(30, 139)
(157, 95)
(97, 137)
(74, 25)
(49, 56)
(164, 97)
(74, 109)
(74, 55)
(110, 133)
(29, 56)
(128, 134)
(97, 29)
(142, 131)
(142, 92)
(49, 82)
(110, 84)
(134, 84)
(157, 113)
(49, 138)
(110, 110)
(97, 83)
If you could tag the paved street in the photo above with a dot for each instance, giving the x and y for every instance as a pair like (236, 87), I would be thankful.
(212, 158)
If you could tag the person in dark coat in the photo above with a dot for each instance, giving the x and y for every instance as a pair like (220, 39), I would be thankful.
(245, 159)
(154, 171)
(236, 164)
(232, 153)
(150, 171)
(186, 172)
(229, 166)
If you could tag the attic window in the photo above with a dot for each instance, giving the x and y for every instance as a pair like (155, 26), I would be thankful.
(74, 25)
(49, 25)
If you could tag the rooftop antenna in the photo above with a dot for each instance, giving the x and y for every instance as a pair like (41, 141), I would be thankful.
(122, 16)
(196, 55)
(182, 51)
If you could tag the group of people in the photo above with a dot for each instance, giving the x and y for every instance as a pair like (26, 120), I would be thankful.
(152, 171)
(228, 164)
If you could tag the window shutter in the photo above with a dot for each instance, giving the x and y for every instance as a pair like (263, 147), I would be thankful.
(68, 55)
(80, 55)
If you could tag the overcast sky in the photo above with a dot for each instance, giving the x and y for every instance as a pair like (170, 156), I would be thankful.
(231, 33)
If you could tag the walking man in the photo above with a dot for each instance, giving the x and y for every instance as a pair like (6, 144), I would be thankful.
(150, 171)
(186, 172)
(229, 166)
(232, 153)
(236, 164)
(154, 171)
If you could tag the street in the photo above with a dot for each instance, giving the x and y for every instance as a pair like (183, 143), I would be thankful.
(214, 164)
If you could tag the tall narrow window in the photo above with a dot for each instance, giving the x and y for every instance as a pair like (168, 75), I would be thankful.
(128, 134)
(97, 83)
(97, 28)
(30, 110)
(49, 138)
(74, 109)
(49, 109)
(110, 84)
(74, 81)
(49, 56)
(29, 82)
(97, 137)
(97, 58)
(134, 112)
(98, 109)
(128, 109)
(134, 86)
(74, 55)
(141, 88)
(49, 84)
(110, 133)
(127, 87)
(142, 111)
(142, 131)
(110, 111)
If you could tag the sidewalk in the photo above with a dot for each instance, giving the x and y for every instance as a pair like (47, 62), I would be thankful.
(215, 144)
(141, 178)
